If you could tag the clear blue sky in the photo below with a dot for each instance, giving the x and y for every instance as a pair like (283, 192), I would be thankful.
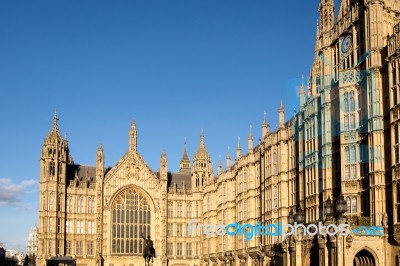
(176, 66)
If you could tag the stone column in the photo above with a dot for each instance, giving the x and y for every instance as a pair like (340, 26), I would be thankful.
(321, 249)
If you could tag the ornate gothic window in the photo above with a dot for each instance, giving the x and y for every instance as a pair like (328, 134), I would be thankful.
(352, 102)
(180, 209)
(51, 169)
(275, 197)
(69, 204)
(170, 209)
(350, 162)
(346, 103)
(130, 220)
(90, 205)
(80, 205)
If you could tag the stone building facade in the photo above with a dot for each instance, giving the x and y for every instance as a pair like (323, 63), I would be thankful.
(33, 241)
(336, 161)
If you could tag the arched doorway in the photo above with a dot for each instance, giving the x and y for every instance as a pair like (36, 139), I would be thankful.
(364, 258)
(314, 255)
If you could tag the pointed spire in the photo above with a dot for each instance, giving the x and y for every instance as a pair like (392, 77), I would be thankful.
(281, 115)
(264, 128)
(302, 93)
(250, 142)
(55, 119)
(133, 137)
(228, 158)
(219, 165)
(202, 138)
(185, 161)
(238, 150)
(163, 166)
(54, 136)
(100, 162)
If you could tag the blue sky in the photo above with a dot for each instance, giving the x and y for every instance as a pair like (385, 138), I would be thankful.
(175, 66)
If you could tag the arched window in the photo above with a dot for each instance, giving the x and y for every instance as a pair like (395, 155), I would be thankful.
(347, 153)
(130, 220)
(80, 205)
(346, 122)
(352, 121)
(346, 103)
(51, 168)
(352, 154)
(179, 209)
(170, 209)
(90, 205)
(69, 204)
(352, 102)
(275, 197)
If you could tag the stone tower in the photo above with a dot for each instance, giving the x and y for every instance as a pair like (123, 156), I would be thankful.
(202, 172)
(53, 171)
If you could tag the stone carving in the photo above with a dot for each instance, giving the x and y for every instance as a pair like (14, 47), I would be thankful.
(385, 220)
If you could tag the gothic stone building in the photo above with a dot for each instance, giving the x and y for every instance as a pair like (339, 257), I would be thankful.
(335, 161)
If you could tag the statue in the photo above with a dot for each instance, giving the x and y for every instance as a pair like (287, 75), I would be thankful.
(148, 252)
(385, 220)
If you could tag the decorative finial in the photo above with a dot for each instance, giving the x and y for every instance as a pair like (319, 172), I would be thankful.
(250, 129)
(202, 137)
(302, 80)
(265, 116)
(55, 118)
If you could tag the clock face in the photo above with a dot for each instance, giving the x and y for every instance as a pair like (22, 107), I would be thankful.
(346, 44)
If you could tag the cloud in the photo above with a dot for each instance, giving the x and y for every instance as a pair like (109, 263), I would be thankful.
(10, 193)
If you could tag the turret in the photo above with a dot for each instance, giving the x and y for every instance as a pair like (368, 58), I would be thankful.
(326, 15)
(55, 155)
(250, 142)
(53, 163)
(202, 172)
(228, 158)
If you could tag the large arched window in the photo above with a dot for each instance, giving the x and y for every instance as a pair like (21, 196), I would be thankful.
(130, 220)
